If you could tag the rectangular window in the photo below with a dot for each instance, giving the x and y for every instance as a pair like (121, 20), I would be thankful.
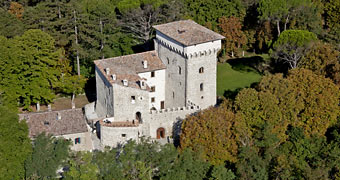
(123, 135)
(153, 99)
(133, 99)
(153, 74)
(77, 140)
(153, 89)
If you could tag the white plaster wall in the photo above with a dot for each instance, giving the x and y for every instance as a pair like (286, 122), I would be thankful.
(112, 136)
(159, 82)
(85, 141)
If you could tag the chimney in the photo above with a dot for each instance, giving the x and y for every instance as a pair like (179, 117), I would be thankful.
(145, 63)
(114, 77)
(58, 116)
(125, 82)
(107, 70)
(142, 84)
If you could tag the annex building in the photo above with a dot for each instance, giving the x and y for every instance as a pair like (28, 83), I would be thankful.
(147, 94)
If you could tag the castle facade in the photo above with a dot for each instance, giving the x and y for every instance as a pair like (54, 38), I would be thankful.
(147, 94)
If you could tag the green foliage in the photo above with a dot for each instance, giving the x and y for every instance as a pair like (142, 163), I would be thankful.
(210, 133)
(15, 145)
(220, 172)
(9, 25)
(49, 154)
(292, 45)
(81, 167)
(29, 68)
(204, 12)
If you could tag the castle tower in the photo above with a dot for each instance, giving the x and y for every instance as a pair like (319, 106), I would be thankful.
(189, 52)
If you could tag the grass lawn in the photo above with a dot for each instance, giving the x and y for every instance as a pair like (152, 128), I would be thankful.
(229, 79)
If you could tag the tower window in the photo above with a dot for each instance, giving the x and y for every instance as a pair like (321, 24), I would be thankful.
(179, 70)
(168, 60)
(123, 135)
(173, 95)
(201, 70)
(133, 99)
(153, 89)
(201, 87)
(153, 74)
(153, 99)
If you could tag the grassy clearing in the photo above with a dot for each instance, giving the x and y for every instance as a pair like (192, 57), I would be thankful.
(229, 79)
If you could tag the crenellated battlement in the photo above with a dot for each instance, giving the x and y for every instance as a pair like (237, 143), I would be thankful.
(189, 108)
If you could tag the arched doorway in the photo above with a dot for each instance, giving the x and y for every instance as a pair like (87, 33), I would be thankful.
(160, 133)
(139, 117)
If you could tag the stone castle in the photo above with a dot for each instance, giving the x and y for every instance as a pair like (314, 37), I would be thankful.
(146, 94)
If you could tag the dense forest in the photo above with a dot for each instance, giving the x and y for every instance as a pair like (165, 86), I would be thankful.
(284, 127)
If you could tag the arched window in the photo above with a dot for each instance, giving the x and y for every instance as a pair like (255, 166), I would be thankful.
(179, 70)
(201, 70)
(201, 87)
(160, 133)
(139, 117)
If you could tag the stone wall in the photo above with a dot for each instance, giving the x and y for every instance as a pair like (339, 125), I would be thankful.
(168, 119)
(85, 141)
(113, 136)
(104, 103)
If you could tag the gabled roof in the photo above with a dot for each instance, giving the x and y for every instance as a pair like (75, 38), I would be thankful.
(188, 32)
(72, 121)
(128, 67)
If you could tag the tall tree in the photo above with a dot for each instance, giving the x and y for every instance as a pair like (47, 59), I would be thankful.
(82, 168)
(292, 45)
(231, 28)
(15, 145)
(49, 154)
(211, 133)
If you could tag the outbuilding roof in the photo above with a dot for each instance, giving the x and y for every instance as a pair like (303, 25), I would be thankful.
(70, 121)
(128, 67)
(188, 32)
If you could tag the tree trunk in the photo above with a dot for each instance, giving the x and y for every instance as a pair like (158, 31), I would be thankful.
(72, 101)
(101, 39)
(59, 13)
(286, 22)
(278, 27)
(243, 53)
(76, 33)
(38, 106)
(232, 54)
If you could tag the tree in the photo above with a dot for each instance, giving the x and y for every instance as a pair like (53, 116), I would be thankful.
(82, 168)
(31, 74)
(49, 154)
(16, 9)
(309, 101)
(211, 134)
(73, 85)
(10, 26)
(292, 45)
(323, 59)
(231, 28)
(277, 11)
(15, 145)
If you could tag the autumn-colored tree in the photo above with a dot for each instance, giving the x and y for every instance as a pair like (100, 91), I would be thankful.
(323, 59)
(264, 36)
(231, 28)
(210, 132)
(16, 9)
(256, 110)
(308, 101)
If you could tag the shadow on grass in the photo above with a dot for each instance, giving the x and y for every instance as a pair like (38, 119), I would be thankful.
(247, 64)
(231, 94)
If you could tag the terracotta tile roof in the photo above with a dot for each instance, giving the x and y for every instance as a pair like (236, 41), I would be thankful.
(119, 123)
(128, 67)
(188, 32)
(72, 121)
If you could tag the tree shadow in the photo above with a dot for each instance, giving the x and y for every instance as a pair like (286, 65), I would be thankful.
(231, 94)
(247, 64)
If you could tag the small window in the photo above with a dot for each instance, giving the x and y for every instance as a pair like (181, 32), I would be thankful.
(46, 123)
(179, 70)
(201, 70)
(153, 74)
(168, 60)
(153, 89)
(153, 99)
(77, 140)
(133, 99)
(173, 95)
(201, 87)
(202, 97)
(124, 135)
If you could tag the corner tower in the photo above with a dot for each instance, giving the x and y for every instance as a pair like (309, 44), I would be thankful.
(189, 52)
